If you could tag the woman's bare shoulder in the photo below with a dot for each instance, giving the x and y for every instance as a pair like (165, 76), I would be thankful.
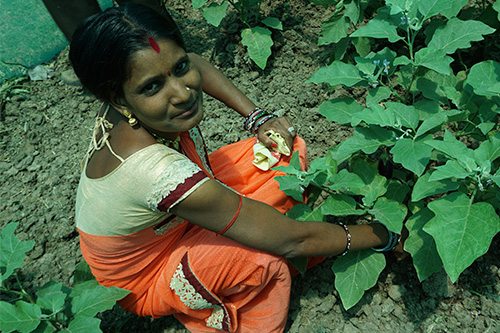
(124, 142)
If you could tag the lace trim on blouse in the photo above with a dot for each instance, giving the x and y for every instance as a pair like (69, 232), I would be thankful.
(175, 174)
(200, 146)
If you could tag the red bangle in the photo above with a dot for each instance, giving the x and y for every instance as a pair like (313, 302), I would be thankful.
(233, 219)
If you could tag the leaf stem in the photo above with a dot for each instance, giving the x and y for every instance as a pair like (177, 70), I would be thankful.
(473, 196)
(462, 131)
(411, 40)
(23, 292)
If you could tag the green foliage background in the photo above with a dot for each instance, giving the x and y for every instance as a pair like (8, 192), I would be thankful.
(426, 144)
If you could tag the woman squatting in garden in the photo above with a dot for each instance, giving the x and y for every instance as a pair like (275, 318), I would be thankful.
(199, 236)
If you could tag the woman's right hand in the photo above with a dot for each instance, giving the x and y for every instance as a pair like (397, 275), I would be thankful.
(281, 125)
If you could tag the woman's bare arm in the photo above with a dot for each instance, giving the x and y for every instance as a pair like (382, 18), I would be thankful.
(260, 226)
(221, 88)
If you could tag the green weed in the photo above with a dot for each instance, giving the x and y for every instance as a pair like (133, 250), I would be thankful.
(54, 307)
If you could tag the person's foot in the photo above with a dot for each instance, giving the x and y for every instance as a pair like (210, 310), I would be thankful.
(69, 77)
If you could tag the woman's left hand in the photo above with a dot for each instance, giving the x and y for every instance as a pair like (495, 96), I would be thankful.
(281, 125)
(399, 251)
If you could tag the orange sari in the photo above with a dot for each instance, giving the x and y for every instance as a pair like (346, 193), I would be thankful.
(208, 282)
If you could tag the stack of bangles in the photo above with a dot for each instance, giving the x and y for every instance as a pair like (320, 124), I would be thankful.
(256, 119)
(394, 239)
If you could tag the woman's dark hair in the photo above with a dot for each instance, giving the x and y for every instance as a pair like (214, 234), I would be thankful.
(104, 43)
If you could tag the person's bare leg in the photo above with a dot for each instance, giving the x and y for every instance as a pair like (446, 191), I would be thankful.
(68, 14)
(157, 5)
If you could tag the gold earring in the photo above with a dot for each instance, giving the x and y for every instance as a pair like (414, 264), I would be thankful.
(131, 120)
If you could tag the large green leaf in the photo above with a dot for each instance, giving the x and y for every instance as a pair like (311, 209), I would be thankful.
(377, 115)
(369, 139)
(376, 95)
(412, 154)
(432, 85)
(355, 273)
(51, 297)
(83, 273)
(366, 170)
(496, 6)
(421, 245)
(293, 168)
(463, 230)
(424, 188)
(399, 6)
(333, 30)
(427, 108)
(343, 150)
(83, 324)
(451, 147)
(378, 29)
(22, 317)
(489, 150)
(292, 186)
(397, 191)
(406, 115)
(12, 251)
(258, 42)
(214, 13)
(458, 34)
(273, 22)
(375, 189)
(340, 205)
(436, 60)
(337, 73)
(344, 180)
(303, 212)
(452, 169)
(433, 121)
(483, 76)
(340, 110)
(430, 8)
(454, 9)
(496, 178)
(353, 11)
(390, 213)
(366, 139)
(88, 299)
(322, 165)
(197, 4)
(375, 184)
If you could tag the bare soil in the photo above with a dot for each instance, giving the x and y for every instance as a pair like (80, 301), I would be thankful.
(44, 135)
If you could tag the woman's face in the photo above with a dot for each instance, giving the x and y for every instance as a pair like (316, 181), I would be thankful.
(164, 90)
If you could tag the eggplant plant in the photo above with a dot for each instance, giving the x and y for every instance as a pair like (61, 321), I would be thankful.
(256, 36)
(426, 144)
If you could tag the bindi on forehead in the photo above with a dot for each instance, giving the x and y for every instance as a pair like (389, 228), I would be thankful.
(154, 44)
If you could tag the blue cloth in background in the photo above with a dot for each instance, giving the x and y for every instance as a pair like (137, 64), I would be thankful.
(28, 35)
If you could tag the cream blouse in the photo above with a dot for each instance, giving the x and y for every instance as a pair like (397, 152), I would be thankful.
(126, 200)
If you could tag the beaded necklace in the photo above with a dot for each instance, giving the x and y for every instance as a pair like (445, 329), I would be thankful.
(169, 143)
